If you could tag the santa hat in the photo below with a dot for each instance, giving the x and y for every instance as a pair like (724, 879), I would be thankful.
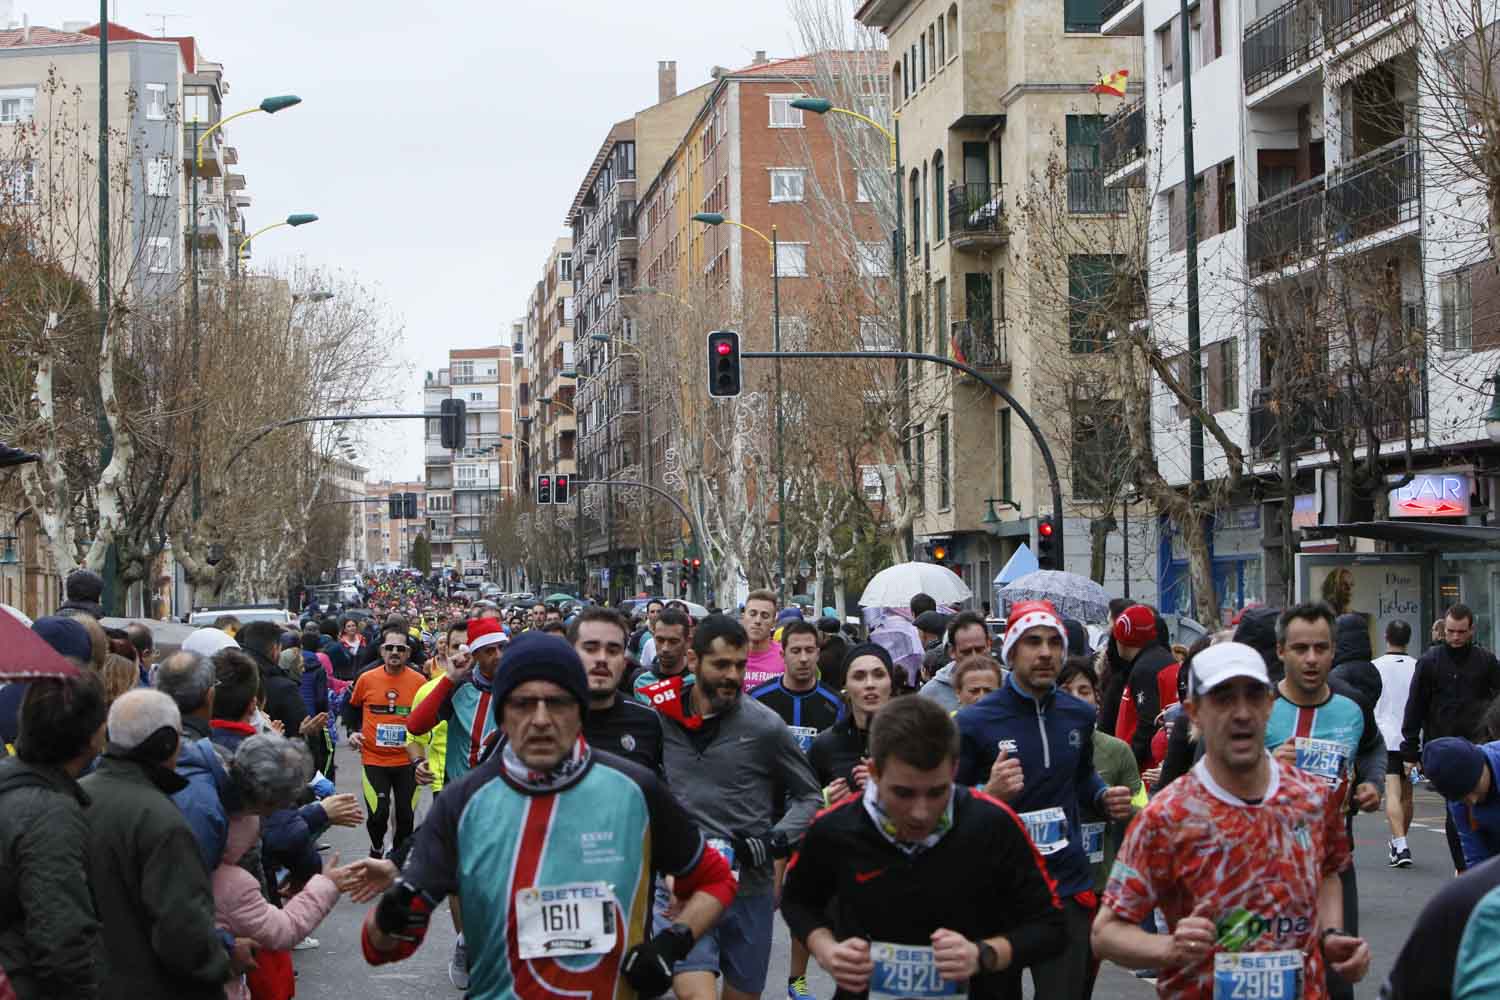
(1029, 615)
(486, 632)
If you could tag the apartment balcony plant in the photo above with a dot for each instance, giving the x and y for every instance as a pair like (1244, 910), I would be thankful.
(976, 217)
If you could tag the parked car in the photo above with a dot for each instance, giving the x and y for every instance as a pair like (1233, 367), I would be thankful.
(204, 617)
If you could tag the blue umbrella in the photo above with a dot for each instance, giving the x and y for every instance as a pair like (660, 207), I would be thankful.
(1074, 596)
(1019, 564)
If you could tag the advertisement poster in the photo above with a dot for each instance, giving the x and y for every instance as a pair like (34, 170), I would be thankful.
(1383, 587)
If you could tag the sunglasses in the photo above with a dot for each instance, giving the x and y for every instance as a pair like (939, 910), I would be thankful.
(393, 648)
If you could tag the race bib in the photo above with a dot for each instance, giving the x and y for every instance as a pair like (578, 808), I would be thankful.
(1258, 975)
(560, 920)
(390, 734)
(1093, 841)
(1324, 758)
(1048, 829)
(723, 847)
(908, 972)
(804, 735)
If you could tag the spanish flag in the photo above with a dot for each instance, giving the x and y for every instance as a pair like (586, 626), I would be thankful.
(1114, 84)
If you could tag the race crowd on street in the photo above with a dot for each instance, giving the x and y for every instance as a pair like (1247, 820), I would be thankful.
(617, 806)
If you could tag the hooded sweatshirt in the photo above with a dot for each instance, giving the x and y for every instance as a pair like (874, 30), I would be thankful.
(240, 909)
(940, 689)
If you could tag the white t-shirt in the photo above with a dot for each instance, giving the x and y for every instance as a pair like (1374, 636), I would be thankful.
(1395, 684)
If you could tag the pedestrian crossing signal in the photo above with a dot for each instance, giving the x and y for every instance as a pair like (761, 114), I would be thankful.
(1046, 544)
(560, 489)
(543, 490)
(723, 364)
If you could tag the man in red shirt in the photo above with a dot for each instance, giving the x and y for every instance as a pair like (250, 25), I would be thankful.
(376, 714)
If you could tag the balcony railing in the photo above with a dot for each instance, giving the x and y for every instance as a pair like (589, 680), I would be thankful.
(1124, 137)
(976, 214)
(1376, 191)
(1271, 424)
(1281, 41)
(982, 344)
(1347, 18)
(1088, 195)
(1285, 228)
(1111, 8)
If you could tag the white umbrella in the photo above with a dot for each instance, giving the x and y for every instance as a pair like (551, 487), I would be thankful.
(895, 586)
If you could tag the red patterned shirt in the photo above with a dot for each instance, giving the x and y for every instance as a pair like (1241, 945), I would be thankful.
(1260, 865)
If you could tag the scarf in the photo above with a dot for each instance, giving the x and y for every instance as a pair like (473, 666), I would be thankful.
(888, 829)
(485, 684)
(566, 773)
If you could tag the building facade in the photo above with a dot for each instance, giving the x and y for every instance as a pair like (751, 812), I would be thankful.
(388, 541)
(464, 486)
(552, 434)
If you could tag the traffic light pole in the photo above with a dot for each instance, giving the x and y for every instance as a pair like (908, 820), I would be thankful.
(261, 432)
(692, 528)
(1036, 432)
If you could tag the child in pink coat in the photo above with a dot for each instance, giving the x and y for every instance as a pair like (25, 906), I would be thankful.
(240, 909)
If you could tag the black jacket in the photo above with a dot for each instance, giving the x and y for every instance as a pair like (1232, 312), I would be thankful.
(49, 934)
(1114, 675)
(1450, 691)
(1425, 967)
(1257, 629)
(1353, 670)
(1146, 688)
(836, 750)
(982, 879)
(627, 729)
(283, 695)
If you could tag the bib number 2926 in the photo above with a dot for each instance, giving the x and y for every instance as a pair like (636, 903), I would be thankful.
(907, 972)
(1258, 975)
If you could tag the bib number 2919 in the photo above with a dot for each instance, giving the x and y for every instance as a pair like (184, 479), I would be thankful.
(1265, 975)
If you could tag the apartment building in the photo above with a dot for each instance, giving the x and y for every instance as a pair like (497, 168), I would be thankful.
(991, 97)
(345, 480)
(464, 486)
(388, 540)
(550, 358)
(604, 260)
(1329, 227)
(521, 407)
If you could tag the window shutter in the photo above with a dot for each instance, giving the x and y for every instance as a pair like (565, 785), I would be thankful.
(1213, 377)
(1208, 203)
(1174, 38)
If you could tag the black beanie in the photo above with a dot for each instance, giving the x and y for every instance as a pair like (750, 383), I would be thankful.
(540, 656)
(874, 649)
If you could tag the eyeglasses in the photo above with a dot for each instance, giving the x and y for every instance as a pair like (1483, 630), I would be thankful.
(393, 648)
(554, 704)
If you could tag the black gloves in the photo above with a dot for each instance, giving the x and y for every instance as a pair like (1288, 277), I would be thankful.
(648, 966)
(757, 852)
(403, 911)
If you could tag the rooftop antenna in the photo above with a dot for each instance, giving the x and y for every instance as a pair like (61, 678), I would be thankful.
(163, 32)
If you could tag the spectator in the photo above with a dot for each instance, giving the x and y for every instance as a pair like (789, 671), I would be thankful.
(148, 882)
(83, 589)
(188, 679)
(1152, 687)
(145, 649)
(1464, 775)
(119, 675)
(49, 934)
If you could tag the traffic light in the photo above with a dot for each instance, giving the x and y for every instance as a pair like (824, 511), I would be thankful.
(939, 551)
(451, 426)
(397, 508)
(1046, 543)
(723, 364)
(560, 489)
(697, 568)
(543, 489)
(409, 502)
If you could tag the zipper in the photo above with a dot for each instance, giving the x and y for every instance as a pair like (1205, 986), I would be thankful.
(1041, 726)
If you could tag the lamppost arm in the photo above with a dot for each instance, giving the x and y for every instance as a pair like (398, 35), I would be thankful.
(270, 106)
(889, 135)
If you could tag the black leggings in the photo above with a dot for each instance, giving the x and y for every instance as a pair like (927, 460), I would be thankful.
(382, 785)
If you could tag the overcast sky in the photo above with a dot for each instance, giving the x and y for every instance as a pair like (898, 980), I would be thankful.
(442, 143)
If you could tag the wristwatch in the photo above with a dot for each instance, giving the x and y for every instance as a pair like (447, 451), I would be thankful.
(989, 959)
(1323, 937)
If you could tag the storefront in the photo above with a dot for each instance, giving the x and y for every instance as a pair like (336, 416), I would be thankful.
(1234, 545)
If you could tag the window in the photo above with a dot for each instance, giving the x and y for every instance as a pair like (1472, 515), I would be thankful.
(783, 115)
(875, 335)
(787, 183)
(868, 182)
(195, 108)
(159, 176)
(1221, 375)
(1082, 16)
(1228, 210)
(945, 483)
(1007, 469)
(916, 211)
(953, 36)
(922, 59)
(918, 334)
(1455, 294)
(874, 260)
(940, 312)
(159, 254)
(791, 260)
(156, 101)
(1168, 41)
(919, 465)
(1195, 36)
(1099, 445)
(872, 484)
(1086, 191)
(17, 105)
(565, 267)
(942, 42)
(937, 197)
(794, 335)
(1091, 279)
(17, 182)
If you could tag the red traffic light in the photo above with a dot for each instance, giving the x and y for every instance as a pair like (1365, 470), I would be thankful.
(723, 348)
(1044, 529)
(697, 563)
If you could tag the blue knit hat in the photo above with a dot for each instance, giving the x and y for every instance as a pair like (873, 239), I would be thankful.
(66, 636)
(1453, 765)
(540, 656)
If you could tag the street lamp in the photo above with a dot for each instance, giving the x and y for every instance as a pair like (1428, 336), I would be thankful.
(1492, 415)
(295, 219)
(718, 219)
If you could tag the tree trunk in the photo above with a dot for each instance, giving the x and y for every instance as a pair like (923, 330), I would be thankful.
(1099, 532)
(1189, 519)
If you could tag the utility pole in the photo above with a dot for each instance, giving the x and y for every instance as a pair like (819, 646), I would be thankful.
(1195, 346)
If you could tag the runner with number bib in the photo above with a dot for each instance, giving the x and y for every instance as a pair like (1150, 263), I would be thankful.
(553, 846)
(805, 705)
(1242, 855)
(921, 887)
(376, 714)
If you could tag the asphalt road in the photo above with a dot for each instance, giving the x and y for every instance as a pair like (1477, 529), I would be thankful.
(1389, 903)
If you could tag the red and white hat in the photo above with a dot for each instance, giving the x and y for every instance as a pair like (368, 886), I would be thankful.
(1028, 615)
(1136, 626)
(486, 632)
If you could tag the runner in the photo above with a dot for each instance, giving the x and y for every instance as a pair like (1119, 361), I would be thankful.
(975, 676)
(840, 756)
(1242, 854)
(1032, 746)
(921, 887)
(622, 726)
(1396, 670)
(765, 662)
(732, 761)
(462, 696)
(552, 845)
(670, 642)
(803, 704)
(376, 716)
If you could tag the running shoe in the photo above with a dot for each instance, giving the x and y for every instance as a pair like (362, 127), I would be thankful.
(306, 944)
(1403, 858)
(458, 965)
(797, 989)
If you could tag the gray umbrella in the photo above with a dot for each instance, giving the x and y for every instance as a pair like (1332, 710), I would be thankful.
(1074, 596)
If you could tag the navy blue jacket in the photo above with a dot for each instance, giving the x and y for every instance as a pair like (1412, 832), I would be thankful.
(1054, 740)
(313, 684)
(1479, 825)
(202, 801)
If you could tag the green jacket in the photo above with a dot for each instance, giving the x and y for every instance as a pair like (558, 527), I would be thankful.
(49, 936)
(150, 888)
(1115, 762)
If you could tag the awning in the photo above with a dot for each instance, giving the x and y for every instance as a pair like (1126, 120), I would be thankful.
(1424, 534)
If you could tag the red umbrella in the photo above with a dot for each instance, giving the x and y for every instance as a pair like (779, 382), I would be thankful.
(25, 656)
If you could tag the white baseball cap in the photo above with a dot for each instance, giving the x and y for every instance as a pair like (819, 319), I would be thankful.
(1225, 661)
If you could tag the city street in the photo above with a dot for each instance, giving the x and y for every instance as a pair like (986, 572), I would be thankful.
(1389, 902)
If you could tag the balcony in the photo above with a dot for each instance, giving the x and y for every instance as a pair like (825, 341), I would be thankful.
(1283, 41)
(234, 181)
(190, 136)
(976, 217)
(1122, 146)
(1348, 18)
(1377, 191)
(1089, 195)
(981, 343)
(1285, 228)
(1270, 427)
(1122, 18)
(211, 229)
